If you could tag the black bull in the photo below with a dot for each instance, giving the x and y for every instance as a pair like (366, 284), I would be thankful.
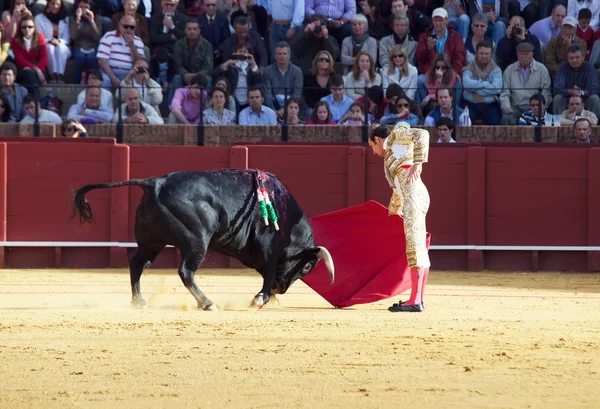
(218, 210)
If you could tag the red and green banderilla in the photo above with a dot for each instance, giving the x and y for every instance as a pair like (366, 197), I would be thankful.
(267, 211)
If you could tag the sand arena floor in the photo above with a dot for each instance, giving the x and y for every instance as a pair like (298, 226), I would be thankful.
(68, 339)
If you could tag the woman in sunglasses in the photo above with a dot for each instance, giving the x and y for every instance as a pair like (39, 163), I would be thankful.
(440, 74)
(316, 84)
(399, 71)
(72, 128)
(400, 111)
(31, 56)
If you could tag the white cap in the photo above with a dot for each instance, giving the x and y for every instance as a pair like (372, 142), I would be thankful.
(571, 21)
(440, 12)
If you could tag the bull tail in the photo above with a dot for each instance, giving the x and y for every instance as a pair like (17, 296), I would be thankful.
(81, 206)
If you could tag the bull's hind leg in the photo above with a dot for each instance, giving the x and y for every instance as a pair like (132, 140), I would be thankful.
(140, 261)
(190, 262)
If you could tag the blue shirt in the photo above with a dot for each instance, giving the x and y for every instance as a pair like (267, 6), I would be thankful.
(266, 117)
(338, 110)
(289, 10)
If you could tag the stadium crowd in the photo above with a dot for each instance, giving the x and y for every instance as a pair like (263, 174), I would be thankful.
(329, 62)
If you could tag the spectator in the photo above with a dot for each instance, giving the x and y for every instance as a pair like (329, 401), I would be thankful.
(316, 84)
(358, 41)
(53, 23)
(242, 73)
(293, 111)
(85, 31)
(193, 56)
(537, 110)
(139, 77)
(11, 18)
(282, 80)
(440, 39)
(456, 14)
(362, 75)
(399, 71)
(482, 80)
(576, 111)
(521, 80)
(217, 114)
(585, 32)
(378, 21)
(188, 102)
(257, 16)
(257, 113)
(321, 115)
(549, 27)
(582, 130)
(162, 68)
(338, 102)
(193, 8)
(445, 127)
(355, 116)
(168, 25)
(440, 74)
(134, 111)
(378, 103)
(594, 6)
(94, 79)
(556, 52)
(415, 11)
(242, 34)
(515, 35)
(338, 13)
(445, 109)
(117, 52)
(479, 26)
(12, 91)
(5, 110)
(496, 12)
(31, 55)
(400, 111)
(287, 20)
(91, 110)
(130, 8)
(214, 27)
(44, 116)
(4, 47)
(401, 38)
(72, 128)
(312, 41)
(231, 104)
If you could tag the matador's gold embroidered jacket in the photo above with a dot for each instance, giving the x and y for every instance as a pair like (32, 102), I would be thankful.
(403, 148)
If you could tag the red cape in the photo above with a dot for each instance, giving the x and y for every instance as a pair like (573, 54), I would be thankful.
(368, 248)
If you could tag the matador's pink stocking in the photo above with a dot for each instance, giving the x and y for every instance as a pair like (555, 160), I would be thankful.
(417, 277)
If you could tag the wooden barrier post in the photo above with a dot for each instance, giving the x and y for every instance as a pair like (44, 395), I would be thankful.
(475, 206)
(119, 205)
(593, 218)
(3, 198)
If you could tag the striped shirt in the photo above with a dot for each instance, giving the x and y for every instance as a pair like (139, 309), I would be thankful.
(113, 48)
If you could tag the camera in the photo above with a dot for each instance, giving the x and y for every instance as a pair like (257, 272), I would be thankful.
(141, 69)
(240, 57)
(86, 12)
(432, 35)
(516, 31)
(318, 29)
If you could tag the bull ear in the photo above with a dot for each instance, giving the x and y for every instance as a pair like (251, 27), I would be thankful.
(324, 255)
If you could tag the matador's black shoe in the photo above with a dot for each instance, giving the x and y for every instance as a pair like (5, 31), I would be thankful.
(396, 305)
(403, 307)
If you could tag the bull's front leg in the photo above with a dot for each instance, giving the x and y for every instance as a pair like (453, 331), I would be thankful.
(264, 295)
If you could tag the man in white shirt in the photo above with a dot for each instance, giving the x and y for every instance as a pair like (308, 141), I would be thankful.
(43, 115)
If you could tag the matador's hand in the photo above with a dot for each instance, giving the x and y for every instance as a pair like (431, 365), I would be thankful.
(414, 174)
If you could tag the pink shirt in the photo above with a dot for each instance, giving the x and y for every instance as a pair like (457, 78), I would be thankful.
(432, 87)
(189, 107)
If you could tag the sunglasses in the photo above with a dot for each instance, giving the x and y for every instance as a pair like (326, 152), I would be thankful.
(70, 129)
(128, 27)
(323, 59)
(398, 56)
(27, 27)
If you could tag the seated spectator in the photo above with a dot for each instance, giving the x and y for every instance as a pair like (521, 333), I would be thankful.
(585, 32)
(482, 80)
(378, 22)
(445, 109)
(497, 15)
(130, 8)
(31, 55)
(243, 34)
(214, 27)
(399, 71)
(321, 115)
(339, 103)
(355, 115)
(162, 68)
(575, 7)
(440, 74)
(5, 51)
(312, 41)
(401, 38)
(293, 112)
(94, 79)
(11, 18)
(400, 111)
(193, 8)
(53, 23)
(394, 92)
(282, 80)
(85, 30)
(188, 102)
(516, 33)
(91, 110)
(514, 98)
(242, 73)
(377, 101)
(134, 111)
(12, 91)
(582, 130)
(193, 56)
(6, 115)
(445, 127)
(360, 40)
(257, 113)
(336, 16)
(362, 76)
(556, 52)
(316, 83)
(576, 77)
(117, 52)
(139, 78)
(549, 27)
(231, 104)
(419, 21)
(217, 114)
(456, 14)
(479, 26)
(537, 110)
(167, 25)
(257, 16)
(575, 111)
(72, 128)
(33, 107)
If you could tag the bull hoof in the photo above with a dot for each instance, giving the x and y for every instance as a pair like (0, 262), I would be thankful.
(138, 303)
(210, 307)
(260, 300)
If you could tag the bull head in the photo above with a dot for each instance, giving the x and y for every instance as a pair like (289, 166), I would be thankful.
(324, 255)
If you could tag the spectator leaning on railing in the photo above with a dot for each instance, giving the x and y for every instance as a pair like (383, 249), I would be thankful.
(43, 115)
(537, 114)
(257, 113)
(582, 130)
(218, 114)
(576, 111)
(91, 110)
(134, 111)
(189, 101)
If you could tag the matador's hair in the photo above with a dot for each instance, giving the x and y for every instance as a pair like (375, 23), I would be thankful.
(380, 132)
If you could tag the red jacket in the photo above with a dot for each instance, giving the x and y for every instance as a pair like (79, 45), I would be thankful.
(32, 58)
(380, 108)
(454, 49)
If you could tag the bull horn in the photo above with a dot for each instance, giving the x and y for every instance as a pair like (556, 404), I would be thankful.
(323, 254)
